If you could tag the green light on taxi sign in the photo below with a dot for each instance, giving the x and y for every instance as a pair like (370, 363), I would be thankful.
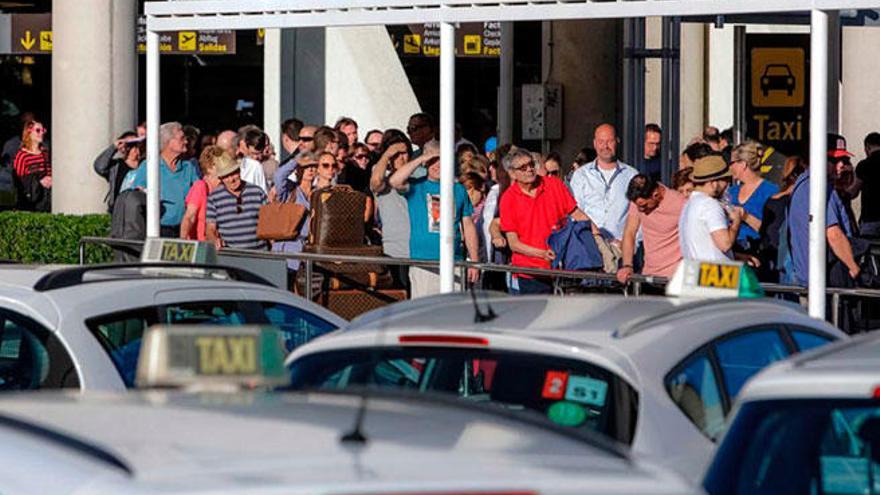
(200, 355)
(565, 413)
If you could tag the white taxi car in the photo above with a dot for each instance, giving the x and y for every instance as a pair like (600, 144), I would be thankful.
(81, 326)
(810, 425)
(365, 442)
(658, 374)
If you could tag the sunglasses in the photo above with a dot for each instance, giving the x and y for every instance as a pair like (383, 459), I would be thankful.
(375, 145)
(305, 138)
(39, 130)
(553, 173)
(361, 156)
(238, 202)
(327, 165)
(524, 167)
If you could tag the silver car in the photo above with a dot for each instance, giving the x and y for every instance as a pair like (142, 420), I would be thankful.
(215, 443)
(80, 327)
(658, 374)
(810, 425)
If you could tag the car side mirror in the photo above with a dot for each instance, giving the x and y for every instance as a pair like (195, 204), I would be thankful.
(870, 433)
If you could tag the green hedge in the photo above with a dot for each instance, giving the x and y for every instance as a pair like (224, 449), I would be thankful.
(29, 237)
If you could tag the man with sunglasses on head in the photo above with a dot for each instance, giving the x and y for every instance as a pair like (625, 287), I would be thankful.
(423, 202)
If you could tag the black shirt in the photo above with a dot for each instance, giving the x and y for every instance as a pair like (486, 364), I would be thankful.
(868, 171)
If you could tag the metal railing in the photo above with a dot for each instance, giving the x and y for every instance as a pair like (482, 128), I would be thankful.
(634, 287)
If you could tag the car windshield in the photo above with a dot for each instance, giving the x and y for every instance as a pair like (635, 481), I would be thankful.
(571, 393)
(800, 447)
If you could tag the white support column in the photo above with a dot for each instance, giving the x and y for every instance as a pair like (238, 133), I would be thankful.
(818, 174)
(272, 86)
(505, 89)
(153, 117)
(447, 156)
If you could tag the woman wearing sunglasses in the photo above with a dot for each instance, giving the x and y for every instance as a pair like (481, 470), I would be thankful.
(33, 170)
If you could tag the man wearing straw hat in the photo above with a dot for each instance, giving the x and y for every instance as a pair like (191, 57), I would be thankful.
(707, 231)
(234, 208)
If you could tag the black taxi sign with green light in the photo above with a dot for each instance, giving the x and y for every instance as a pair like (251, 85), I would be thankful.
(200, 355)
(178, 251)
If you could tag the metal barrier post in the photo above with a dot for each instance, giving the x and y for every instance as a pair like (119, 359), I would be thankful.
(308, 284)
(835, 309)
(463, 270)
(637, 288)
(82, 253)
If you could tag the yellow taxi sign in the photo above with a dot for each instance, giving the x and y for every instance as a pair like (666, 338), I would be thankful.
(158, 250)
(201, 355)
(707, 279)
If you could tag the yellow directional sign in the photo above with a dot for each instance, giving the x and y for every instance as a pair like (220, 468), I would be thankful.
(412, 43)
(473, 44)
(46, 40)
(28, 41)
(186, 41)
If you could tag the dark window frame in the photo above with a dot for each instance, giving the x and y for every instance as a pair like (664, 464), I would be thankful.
(62, 375)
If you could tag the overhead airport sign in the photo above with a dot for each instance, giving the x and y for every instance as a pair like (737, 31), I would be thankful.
(777, 91)
(194, 42)
(31, 34)
(472, 39)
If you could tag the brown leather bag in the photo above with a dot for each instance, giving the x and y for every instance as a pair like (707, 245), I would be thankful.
(337, 217)
(280, 221)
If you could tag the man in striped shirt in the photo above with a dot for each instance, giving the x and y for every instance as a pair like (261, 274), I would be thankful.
(233, 209)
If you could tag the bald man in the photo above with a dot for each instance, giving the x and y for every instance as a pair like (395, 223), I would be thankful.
(599, 187)
(226, 140)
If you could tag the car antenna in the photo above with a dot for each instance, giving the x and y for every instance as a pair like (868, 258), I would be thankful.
(356, 435)
(479, 316)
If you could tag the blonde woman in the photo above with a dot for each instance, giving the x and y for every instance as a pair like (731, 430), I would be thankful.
(194, 223)
(750, 191)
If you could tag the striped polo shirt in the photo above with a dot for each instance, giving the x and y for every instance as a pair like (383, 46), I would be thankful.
(236, 216)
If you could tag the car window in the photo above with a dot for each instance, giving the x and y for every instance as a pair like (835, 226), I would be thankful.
(297, 325)
(695, 391)
(120, 335)
(571, 393)
(205, 313)
(806, 340)
(800, 447)
(742, 355)
(31, 357)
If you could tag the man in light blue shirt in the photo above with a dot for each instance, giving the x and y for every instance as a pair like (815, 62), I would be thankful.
(176, 176)
(599, 187)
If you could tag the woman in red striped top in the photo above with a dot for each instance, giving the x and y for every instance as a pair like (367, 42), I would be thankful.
(33, 169)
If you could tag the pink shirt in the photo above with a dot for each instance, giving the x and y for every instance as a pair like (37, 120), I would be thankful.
(660, 234)
(198, 196)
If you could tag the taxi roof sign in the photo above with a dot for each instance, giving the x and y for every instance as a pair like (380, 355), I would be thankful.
(711, 279)
(178, 251)
(210, 356)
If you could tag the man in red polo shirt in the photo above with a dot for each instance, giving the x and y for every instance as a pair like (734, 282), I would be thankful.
(529, 210)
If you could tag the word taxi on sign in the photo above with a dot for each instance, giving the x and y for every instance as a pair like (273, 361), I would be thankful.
(708, 279)
(206, 356)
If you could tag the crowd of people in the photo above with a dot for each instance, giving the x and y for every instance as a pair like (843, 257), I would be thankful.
(726, 201)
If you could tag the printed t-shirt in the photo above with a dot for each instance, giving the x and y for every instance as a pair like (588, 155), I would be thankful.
(423, 203)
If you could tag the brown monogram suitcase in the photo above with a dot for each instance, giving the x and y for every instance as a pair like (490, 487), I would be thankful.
(339, 267)
(354, 302)
(337, 217)
(324, 281)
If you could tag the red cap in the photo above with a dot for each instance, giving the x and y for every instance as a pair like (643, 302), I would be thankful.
(836, 146)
